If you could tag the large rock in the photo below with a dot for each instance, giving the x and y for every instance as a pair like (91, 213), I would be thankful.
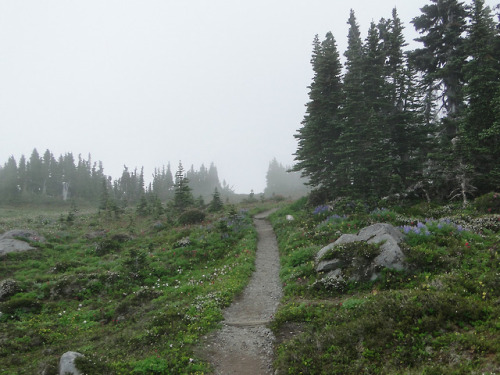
(390, 255)
(13, 246)
(67, 364)
(15, 241)
(8, 287)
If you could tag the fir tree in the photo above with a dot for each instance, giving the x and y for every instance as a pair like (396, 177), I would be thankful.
(354, 137)
(442, 25)
(480, 133)
(182, 192)
(34, 171)
(315, 154)
(404, 120)
(216, 204)
(9, 181)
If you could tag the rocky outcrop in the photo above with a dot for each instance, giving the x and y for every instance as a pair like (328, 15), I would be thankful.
(14, 246)
(355, 257)
(15, 241)
(67, 364)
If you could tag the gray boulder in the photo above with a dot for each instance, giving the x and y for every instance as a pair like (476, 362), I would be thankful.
(390, 256)
(13, 246)
(67, 364)
(8, 287)
(15, 241)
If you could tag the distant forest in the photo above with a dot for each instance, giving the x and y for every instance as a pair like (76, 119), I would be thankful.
(398, 123)
(282, 182)
(45, 177)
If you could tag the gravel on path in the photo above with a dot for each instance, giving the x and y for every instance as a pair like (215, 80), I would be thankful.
(244, 345)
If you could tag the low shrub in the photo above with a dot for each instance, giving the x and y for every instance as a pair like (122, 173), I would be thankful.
(191, 217)
(488, 203)
(106, 246)
(21, 303)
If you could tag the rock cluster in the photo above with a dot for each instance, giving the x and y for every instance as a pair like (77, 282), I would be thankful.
(389, 254)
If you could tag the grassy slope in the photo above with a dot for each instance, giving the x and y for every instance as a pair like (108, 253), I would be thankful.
(442, 316)
(133, 300)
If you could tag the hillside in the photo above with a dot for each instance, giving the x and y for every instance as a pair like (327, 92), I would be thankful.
(134, 294)
(438, 316)
(139, 294)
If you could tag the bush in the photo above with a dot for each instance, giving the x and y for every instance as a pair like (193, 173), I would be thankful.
(22, 304)
(191, 217)
(488, 203)
(318, 197)
(302, 255)
(106, 246)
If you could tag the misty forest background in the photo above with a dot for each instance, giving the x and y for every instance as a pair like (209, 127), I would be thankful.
(47, 179)
(385, 122)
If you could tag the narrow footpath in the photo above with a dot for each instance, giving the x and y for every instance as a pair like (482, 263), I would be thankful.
(244, 346)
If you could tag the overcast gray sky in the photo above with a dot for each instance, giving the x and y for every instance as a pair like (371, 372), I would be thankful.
(142, 83)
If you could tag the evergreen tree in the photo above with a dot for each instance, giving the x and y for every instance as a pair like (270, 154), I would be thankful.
(480, 133)
(34, 172)
(163, 183)
(53, 181)
(375, 145)
(68, 171)
(282, 181)
(354, 137)
(9, 182)
(22, 174)
(182, 192)
(104, 199)
(405, 121)
(216, 204)
(142, 207)
(321, 126)
(442, 26)
(213, 178)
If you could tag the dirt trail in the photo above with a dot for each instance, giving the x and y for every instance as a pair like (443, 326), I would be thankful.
(244, 346)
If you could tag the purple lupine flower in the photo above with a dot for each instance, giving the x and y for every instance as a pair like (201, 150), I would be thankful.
(407, 229)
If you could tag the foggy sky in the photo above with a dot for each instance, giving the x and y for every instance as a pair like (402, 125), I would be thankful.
(142, 83)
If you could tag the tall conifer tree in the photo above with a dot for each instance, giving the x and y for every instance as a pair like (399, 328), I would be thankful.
(316, 154)
(350, 150)
(480, 136)
(442, 25)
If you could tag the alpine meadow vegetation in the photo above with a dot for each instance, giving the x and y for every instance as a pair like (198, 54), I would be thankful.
(133, 293)
(134, 275)
(438, 316)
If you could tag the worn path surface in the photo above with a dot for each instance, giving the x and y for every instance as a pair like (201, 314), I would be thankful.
(244, 346)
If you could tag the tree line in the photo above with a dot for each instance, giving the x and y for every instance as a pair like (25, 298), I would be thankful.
(281, 182)
(66, 177)
(396, 122)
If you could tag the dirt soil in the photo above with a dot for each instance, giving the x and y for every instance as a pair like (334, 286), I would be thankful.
(244, 345)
